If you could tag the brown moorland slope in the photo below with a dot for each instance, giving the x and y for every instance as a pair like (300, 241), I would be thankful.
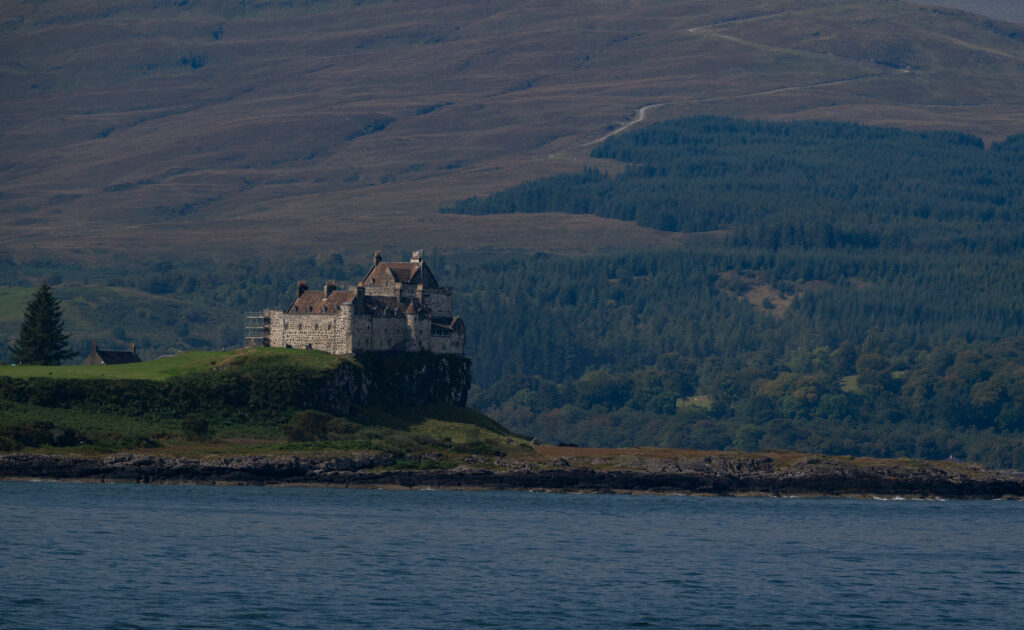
(1011, 10)
(227, 126)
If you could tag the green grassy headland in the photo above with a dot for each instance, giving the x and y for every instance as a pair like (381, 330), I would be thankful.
(246, 401)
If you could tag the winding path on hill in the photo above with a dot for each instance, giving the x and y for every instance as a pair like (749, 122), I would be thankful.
(641, 115)
(708, 30)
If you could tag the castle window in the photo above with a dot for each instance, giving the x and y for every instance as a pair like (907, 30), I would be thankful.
(309, 309)
(316, 326)
(300, 326)
(439, 331)
(286, 325)
(323, 309)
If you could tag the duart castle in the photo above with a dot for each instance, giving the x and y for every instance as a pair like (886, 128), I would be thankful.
(397, 306)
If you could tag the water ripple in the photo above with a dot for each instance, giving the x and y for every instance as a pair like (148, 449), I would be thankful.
(124, 556)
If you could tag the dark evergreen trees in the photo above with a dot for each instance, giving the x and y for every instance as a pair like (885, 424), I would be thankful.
(42, 340)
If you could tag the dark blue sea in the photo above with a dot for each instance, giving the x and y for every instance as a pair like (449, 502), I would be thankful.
(184, 556)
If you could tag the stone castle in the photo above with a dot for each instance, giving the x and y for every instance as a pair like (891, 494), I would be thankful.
(397, 306)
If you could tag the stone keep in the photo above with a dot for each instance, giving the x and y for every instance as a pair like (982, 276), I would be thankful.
(396, 306)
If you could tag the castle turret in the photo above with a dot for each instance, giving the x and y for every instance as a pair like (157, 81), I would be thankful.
(412, 321)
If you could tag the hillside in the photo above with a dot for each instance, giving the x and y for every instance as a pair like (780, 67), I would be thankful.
(280, 127)
(862, 295)
(1010, 10)
(250, 401)
(824, 287)
(856, 291)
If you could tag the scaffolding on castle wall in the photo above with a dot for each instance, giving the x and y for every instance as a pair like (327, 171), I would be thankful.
(257, 330)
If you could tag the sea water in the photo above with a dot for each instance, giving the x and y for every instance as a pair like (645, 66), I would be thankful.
(190, 556)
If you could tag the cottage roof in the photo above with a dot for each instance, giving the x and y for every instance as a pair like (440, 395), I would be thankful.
(110, 357)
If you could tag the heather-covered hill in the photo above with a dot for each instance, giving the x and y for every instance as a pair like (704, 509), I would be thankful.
(281, 125)
(1010, 10)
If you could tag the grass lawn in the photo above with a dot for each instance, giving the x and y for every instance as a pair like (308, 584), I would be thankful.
(179, 364)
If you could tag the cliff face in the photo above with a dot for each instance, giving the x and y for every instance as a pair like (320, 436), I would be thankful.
(397, 380)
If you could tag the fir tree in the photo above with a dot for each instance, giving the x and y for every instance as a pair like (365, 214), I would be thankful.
(42, 340)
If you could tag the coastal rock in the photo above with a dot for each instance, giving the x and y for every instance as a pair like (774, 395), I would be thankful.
(715, 475)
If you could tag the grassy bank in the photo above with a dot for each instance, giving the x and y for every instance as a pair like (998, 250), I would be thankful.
(255, 400)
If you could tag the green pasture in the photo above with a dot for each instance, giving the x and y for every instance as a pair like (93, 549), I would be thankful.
(179, 364)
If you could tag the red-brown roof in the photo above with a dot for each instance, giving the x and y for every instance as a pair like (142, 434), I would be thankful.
(404, 272)
(314, 302)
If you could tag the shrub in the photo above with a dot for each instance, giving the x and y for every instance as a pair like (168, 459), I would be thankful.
(307, 426)
(195, 427)
(317, 426)
(39, 434)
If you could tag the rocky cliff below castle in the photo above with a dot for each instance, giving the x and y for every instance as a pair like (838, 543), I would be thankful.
(396, 379)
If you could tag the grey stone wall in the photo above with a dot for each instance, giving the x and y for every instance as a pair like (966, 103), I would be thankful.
(346, 333)
(438, 301)
(331, 332)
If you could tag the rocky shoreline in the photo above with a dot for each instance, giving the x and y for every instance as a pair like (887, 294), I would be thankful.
(727, 476)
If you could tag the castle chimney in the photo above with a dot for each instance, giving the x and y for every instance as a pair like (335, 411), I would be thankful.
(301, 288)
(377, 257)
(417, 256)
(94, 345)
(329, 288)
